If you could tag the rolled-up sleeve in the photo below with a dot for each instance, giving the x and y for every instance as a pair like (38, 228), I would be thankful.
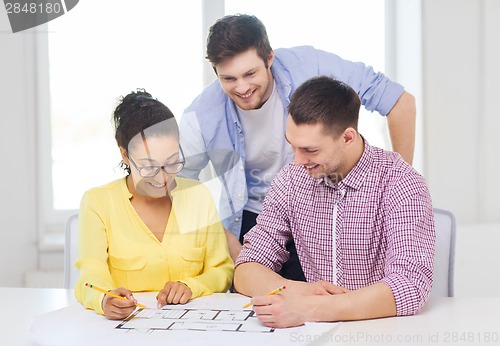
(265, 242)
(193, 146)
(376, 91)
(410, 249)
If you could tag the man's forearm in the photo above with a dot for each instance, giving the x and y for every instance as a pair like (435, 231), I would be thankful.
(374, 301)
(401, 121)
(253, 279)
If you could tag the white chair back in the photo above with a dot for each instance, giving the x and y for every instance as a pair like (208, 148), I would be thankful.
(444, 258)
(71, 274)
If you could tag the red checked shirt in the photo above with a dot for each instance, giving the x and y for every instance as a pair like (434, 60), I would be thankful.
(384, 227)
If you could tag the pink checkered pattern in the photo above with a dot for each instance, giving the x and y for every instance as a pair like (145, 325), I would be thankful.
(384, 228)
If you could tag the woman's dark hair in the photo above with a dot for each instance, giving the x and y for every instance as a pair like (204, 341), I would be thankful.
(327, 101)
(139, 112)
(235, 34)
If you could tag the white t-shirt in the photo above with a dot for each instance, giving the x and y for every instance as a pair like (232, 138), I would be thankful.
(266, 149)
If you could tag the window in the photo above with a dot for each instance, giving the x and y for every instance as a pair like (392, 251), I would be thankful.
(104, 49)
(98, 52)
(354, 30)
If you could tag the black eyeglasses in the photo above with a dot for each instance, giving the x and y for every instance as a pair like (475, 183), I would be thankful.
(169, 168)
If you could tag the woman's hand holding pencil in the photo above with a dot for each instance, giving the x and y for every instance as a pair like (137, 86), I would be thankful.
(118, 303)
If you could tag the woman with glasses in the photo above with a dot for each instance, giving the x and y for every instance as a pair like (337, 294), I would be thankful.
(151, 230)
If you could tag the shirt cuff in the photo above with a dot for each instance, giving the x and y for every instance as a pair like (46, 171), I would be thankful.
(405, 294)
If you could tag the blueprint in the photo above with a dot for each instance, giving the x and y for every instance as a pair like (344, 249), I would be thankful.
(149, 320)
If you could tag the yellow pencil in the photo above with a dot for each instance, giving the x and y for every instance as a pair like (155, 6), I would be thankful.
(269, 294)
(112, 294)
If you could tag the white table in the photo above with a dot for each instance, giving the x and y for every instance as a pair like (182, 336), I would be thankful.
(443, 321)
(21, 305)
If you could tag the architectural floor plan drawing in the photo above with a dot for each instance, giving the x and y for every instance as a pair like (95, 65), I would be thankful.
(194, 319)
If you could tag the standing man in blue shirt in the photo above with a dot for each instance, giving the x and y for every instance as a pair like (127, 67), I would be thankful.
(238, 122)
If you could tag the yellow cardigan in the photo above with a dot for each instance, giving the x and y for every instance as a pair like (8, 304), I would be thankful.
(116, 248)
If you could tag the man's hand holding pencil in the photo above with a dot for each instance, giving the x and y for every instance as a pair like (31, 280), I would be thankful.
(279, 289)
(287, 309)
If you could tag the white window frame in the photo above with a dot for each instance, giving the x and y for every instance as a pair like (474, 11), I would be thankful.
(50, 220)
(403, 59)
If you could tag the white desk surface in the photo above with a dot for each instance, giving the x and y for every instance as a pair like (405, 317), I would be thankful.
(21, 305)
(443, 321)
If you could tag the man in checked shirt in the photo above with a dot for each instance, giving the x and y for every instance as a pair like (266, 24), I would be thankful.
(361, 219)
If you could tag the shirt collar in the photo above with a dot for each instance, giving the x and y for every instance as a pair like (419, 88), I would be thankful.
(281, 79)
(358, 173)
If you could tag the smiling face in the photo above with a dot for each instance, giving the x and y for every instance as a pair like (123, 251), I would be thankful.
(246, 80)
(322, 154)
(150, 151)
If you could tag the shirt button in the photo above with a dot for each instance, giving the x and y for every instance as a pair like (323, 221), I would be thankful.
(241, 167)
(237, 219)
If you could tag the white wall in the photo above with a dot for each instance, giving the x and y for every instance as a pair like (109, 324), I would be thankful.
(461, 131)
(461, 124)
(460, 95)
(18, 251)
